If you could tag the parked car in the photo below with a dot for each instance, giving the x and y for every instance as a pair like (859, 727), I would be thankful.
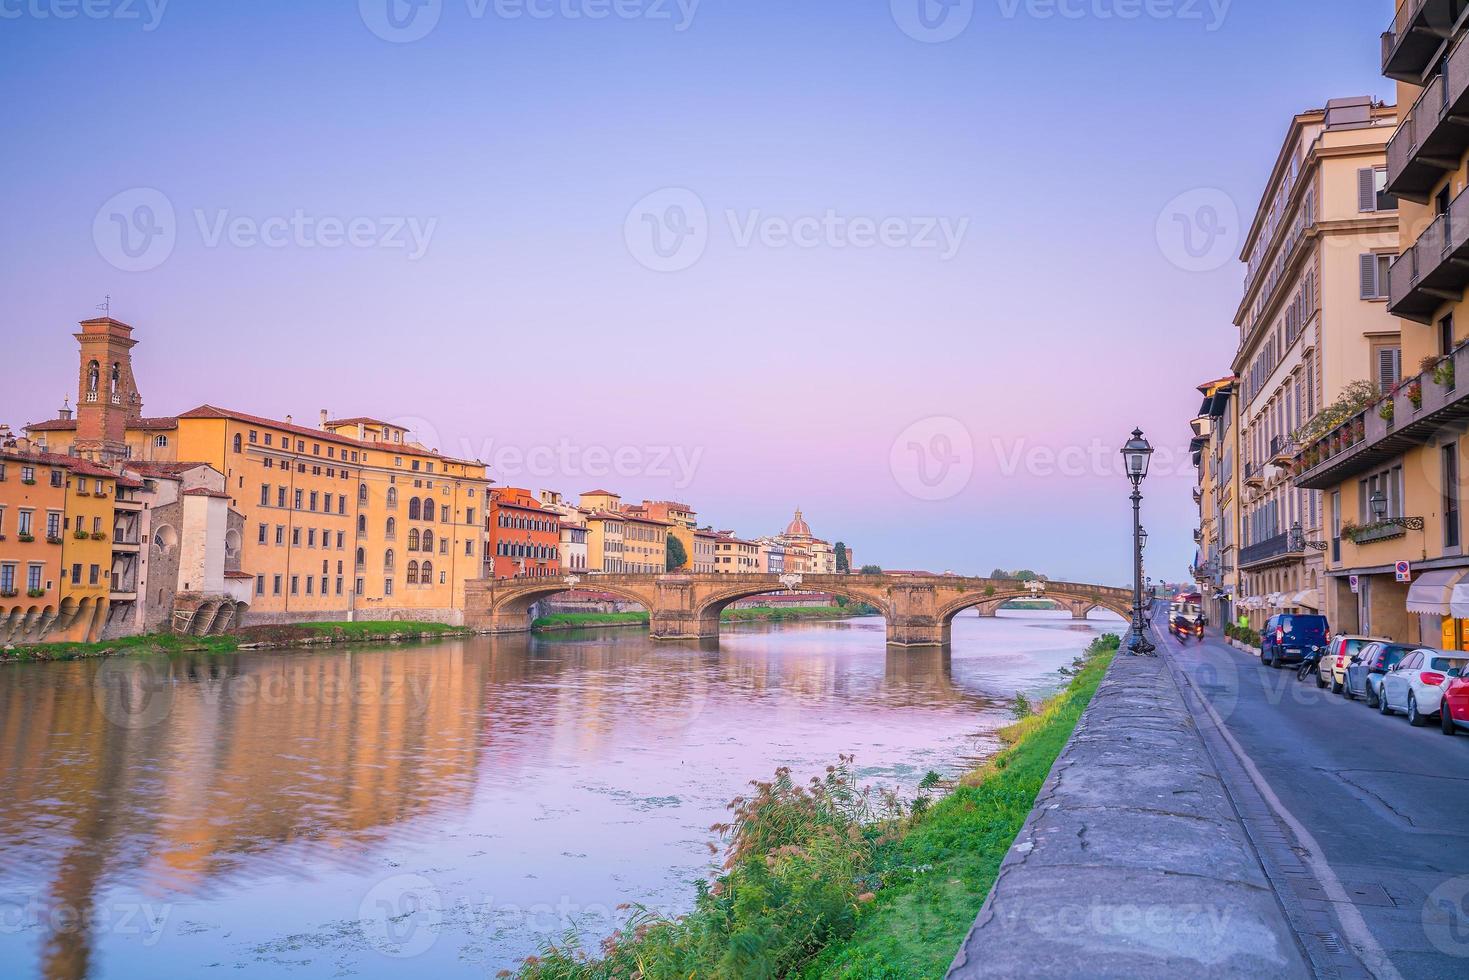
(1287, 637)
(1454, 714)
(1334, 665)
(1416, 685)
(1365, 670)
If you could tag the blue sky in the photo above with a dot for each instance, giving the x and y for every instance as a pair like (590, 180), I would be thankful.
(907, 394)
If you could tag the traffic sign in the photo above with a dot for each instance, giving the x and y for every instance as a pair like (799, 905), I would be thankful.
(1356, 584)
(1404, 571)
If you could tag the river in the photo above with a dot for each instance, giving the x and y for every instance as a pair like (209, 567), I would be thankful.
(443, 808)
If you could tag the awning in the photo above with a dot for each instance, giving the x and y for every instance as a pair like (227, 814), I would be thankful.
(1431, 591)
(1275, 598)
(1310, 598)
(1459, 597)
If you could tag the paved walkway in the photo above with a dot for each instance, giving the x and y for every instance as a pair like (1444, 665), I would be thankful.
(1134, 862)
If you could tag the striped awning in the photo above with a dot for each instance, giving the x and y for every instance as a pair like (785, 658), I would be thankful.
(1310, 598)
(1431, 591)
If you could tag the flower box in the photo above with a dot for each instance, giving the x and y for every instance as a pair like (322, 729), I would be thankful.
(98, 536)
(36, 593)
(29, 483)
(53, 539)
(80, 535)
(11, 594)
(25, 538)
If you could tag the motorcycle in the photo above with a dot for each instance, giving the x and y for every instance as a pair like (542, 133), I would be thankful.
(1311, 664)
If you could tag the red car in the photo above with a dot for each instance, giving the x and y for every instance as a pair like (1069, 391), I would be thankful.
(1454, 714)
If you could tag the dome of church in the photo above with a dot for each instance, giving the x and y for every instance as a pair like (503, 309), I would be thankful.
(798, 527)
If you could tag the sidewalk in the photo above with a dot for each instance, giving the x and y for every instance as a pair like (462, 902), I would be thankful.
(1133, 862)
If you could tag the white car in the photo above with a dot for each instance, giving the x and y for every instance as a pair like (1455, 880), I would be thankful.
(1416, 685)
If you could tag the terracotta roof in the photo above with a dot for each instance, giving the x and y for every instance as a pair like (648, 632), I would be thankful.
(601, 493)
(74, 463)
(360, 420)
(149, 467)
(205, 492)
(238, 574)
(69, 425)
(52, 425)
(129, 482)
(643, 518)
(214, 412)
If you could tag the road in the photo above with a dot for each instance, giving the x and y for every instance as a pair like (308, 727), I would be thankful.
(1361, 821)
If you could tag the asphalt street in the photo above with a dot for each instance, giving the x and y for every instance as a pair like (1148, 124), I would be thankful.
(1361, 821)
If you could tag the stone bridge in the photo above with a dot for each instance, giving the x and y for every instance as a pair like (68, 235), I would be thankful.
(919, 609)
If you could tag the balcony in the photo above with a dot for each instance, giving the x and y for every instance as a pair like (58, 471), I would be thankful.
(1254, 475)
(1282, 450)
(1417, 30)
(1198, 536)
(1436, 269)
(1433, 135)
(1373, 440)
(1198, 495)
(1273, 550)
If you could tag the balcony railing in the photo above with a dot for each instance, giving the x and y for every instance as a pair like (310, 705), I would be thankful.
(1277, 546)
(1254, 474)
(1282, 450)
(1417, 29)
(1433, 135)
(1369, 439)
(1436, 269)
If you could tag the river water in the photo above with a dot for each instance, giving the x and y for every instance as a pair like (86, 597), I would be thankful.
(443, 808)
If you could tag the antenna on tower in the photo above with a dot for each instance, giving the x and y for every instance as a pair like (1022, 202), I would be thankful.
(106, 305)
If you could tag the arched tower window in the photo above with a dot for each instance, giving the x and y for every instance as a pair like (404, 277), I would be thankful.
(414, 508)
(392, 527)
(413, 573)
(392, 496)
(413, 539)
(428, 541)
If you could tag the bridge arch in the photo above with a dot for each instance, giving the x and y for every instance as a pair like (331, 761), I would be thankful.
(511, 600)
(710, 607)
(1078, 604)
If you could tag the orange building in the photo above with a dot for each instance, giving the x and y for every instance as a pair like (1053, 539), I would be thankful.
(525, 537)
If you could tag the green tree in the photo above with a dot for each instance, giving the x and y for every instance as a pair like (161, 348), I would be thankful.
(678, 556)
(843, 567)
(871, 569)
(999, 573)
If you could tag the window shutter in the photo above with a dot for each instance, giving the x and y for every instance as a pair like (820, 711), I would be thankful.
(1368, 268)
(1389, 366)
(1367, 189)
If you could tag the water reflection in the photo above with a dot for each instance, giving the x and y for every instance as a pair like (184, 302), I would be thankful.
(298, 812)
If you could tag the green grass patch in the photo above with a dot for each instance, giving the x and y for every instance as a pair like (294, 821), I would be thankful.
(371, 630)
(837, 880)
(749, 614)
(146, 643)
(271, 636)
(589, 620)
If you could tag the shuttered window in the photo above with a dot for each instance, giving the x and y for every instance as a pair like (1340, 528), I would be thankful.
(1374, 275)
(1367, 189)
(1389, 366)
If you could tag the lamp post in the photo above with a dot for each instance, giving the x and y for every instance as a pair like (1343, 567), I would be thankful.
(1136, 454)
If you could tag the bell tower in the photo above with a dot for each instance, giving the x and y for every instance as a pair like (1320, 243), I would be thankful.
(107, 395)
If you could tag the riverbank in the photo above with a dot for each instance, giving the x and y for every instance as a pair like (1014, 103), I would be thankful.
(751, 614)
(250, 638)
(835, 880)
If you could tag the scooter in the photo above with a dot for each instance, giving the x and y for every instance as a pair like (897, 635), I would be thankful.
(1310, 664)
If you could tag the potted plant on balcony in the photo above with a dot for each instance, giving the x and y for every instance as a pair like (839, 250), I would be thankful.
(8, 594)
(1443, 373)
(1385, 410)
(1415, 393)
(98, 536)
(53, 539)
(80, 534)
(1349, 530)
(1359, 429)
(30, 483)
(36, 593)
(25, 538)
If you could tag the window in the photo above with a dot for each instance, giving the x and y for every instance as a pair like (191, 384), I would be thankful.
(94, 574)
(1450, 458)
(1387, 364)
(275, 582)
(413, 539)
(57, 479)
(295, 537)
(1372, 190)
(295, 585)
(362, 493)
(1389, 483)
(428, 541)
(341, 503)
(265, 494)
(428, 509)
(388, 560)
(392, 528)
(264, 531)
(361, 556)
(1374, 275)
(412, 577)
(1446, 335)
(280, 534)
(361, 523)
(387, 586)
(359, 586)
(300, 496)
(160, 441)
(260, 585)
(415, 508)
(239, 443)
(310, 585)
(428, 573)
(53, 524)
(280, 496)
(33, 578)
(7, 578)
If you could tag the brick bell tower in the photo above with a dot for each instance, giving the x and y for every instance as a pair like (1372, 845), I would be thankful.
(107, 395)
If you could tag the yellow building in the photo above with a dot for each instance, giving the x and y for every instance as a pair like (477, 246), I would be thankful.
(1393, 472)
(682, 523)
(1215, 451)
(604, 541)
(1312, 321)
(348, 520)
(734, 555)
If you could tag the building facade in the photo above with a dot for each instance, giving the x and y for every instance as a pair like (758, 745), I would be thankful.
(1215, 451)
(525, 537)
(733, 555)
(1312, 321)
(1392, 472)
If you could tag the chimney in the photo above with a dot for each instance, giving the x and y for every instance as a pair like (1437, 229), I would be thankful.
(290, 420)
(361, 431)
(323, 420)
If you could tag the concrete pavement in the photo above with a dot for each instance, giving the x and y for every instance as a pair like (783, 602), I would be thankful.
(1215, 816)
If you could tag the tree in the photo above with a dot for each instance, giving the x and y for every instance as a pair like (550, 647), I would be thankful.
(871, 569)
(999, 573)
(843, 567)
(678, 557)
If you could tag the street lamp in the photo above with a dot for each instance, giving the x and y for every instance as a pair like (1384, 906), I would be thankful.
(1136, 454)
(1299, 541)
(1378, 501)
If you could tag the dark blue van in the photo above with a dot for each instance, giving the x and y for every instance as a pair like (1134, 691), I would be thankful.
(1288, 637)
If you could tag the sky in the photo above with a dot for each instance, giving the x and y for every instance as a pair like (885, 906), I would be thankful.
(915, 266)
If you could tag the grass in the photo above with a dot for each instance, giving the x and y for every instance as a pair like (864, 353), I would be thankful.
(837, 880)
(763, 614)
(284, 635)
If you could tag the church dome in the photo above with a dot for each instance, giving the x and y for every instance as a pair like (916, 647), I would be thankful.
(798, 527)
